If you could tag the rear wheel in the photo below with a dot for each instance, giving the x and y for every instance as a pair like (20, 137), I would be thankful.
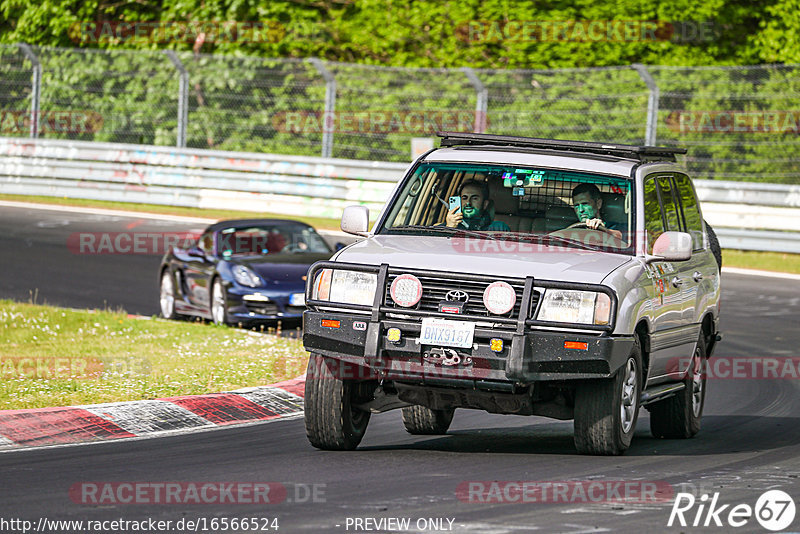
(678, 417)
(219, 303)
(606, 410)
(423, 420)
(332, 420)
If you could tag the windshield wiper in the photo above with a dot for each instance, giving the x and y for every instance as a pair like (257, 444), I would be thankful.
(444, 229)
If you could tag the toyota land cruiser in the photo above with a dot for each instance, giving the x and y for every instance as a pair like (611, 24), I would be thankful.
(524, 276)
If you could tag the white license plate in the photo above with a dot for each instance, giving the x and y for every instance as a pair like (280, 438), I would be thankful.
(444, 333)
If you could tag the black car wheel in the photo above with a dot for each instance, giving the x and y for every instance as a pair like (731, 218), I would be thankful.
(332, 420)
(219, 303)
(424, 420)
(166, 296)
(678, 417)
(606, 410)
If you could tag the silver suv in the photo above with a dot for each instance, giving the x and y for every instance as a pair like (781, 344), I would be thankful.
(522, 276)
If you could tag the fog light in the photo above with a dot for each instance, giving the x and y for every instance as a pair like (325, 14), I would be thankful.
(393, 335)
(496, 345)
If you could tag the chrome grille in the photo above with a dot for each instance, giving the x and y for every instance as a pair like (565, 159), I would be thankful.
(434, 290)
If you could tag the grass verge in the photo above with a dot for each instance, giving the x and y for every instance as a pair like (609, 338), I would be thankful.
(57, 357)
(765, 261)
(317, 222)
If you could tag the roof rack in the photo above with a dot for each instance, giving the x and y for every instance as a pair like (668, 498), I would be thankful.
(641, 153)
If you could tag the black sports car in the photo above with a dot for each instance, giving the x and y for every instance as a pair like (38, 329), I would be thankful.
(242, 271)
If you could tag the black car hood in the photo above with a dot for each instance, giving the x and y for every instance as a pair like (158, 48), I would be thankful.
(290, 267)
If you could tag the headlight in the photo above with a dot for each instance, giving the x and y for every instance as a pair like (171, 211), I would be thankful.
(571, 306)
(347, 287)
(246, 276)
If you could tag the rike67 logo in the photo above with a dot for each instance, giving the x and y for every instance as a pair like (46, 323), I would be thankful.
(774, 510)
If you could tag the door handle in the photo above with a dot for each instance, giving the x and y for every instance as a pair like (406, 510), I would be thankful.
(677, 282)
(697, 276)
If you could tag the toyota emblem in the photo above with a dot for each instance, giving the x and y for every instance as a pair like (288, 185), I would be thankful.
(456, 295)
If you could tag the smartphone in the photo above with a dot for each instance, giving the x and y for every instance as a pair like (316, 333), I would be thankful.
(455, 202)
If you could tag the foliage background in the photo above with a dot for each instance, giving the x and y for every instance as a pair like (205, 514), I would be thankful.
(240, 91)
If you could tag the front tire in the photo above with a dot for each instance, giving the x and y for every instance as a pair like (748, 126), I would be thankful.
(166, 296)
(606, 410)
(219, 303)
(332, 421)
(678, 417)
(426, 421)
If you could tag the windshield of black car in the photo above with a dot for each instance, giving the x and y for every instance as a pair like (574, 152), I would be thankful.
(270, 239)
(514, 202)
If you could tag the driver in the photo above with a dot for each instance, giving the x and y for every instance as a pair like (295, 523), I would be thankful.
(587, 203)
(474, 215)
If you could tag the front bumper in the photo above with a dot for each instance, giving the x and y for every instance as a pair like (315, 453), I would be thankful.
(255, 304)
(533, 356)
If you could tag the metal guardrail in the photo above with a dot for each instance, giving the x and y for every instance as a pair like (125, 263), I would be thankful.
(290, 185)
(747, 216)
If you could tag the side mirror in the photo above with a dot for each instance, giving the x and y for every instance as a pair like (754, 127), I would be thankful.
(355, 220)
(195, 252)
(671, 246)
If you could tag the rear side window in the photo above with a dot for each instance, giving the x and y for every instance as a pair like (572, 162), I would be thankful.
(691, 211)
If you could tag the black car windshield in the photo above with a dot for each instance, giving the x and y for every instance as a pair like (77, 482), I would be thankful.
(515, 202)
(264, 239)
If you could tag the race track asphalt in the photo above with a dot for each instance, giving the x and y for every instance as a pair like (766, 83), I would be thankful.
(749, 442)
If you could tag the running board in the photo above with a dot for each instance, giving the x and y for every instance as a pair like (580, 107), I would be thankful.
(660, 392)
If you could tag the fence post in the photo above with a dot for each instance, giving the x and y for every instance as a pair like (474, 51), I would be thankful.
(183, 97)
(481, 100)
(328, 119)
(652, 104)
(36, 88)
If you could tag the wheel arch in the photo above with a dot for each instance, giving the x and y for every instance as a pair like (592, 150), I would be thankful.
(642, 332)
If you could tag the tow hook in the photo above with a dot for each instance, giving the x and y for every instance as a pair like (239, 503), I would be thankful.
(446, 357)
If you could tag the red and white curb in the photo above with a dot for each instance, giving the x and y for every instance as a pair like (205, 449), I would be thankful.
(117, 420)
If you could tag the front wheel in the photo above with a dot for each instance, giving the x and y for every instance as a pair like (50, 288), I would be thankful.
(333, 422)
(678, 417)
(426, 421)
(166, 296)
(219, 303)
(606, 410)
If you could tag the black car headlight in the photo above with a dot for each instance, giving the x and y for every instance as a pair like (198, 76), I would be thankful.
(246, 277)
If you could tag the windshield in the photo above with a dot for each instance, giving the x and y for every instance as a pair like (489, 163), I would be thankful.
(270, 239)
(567, 208)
